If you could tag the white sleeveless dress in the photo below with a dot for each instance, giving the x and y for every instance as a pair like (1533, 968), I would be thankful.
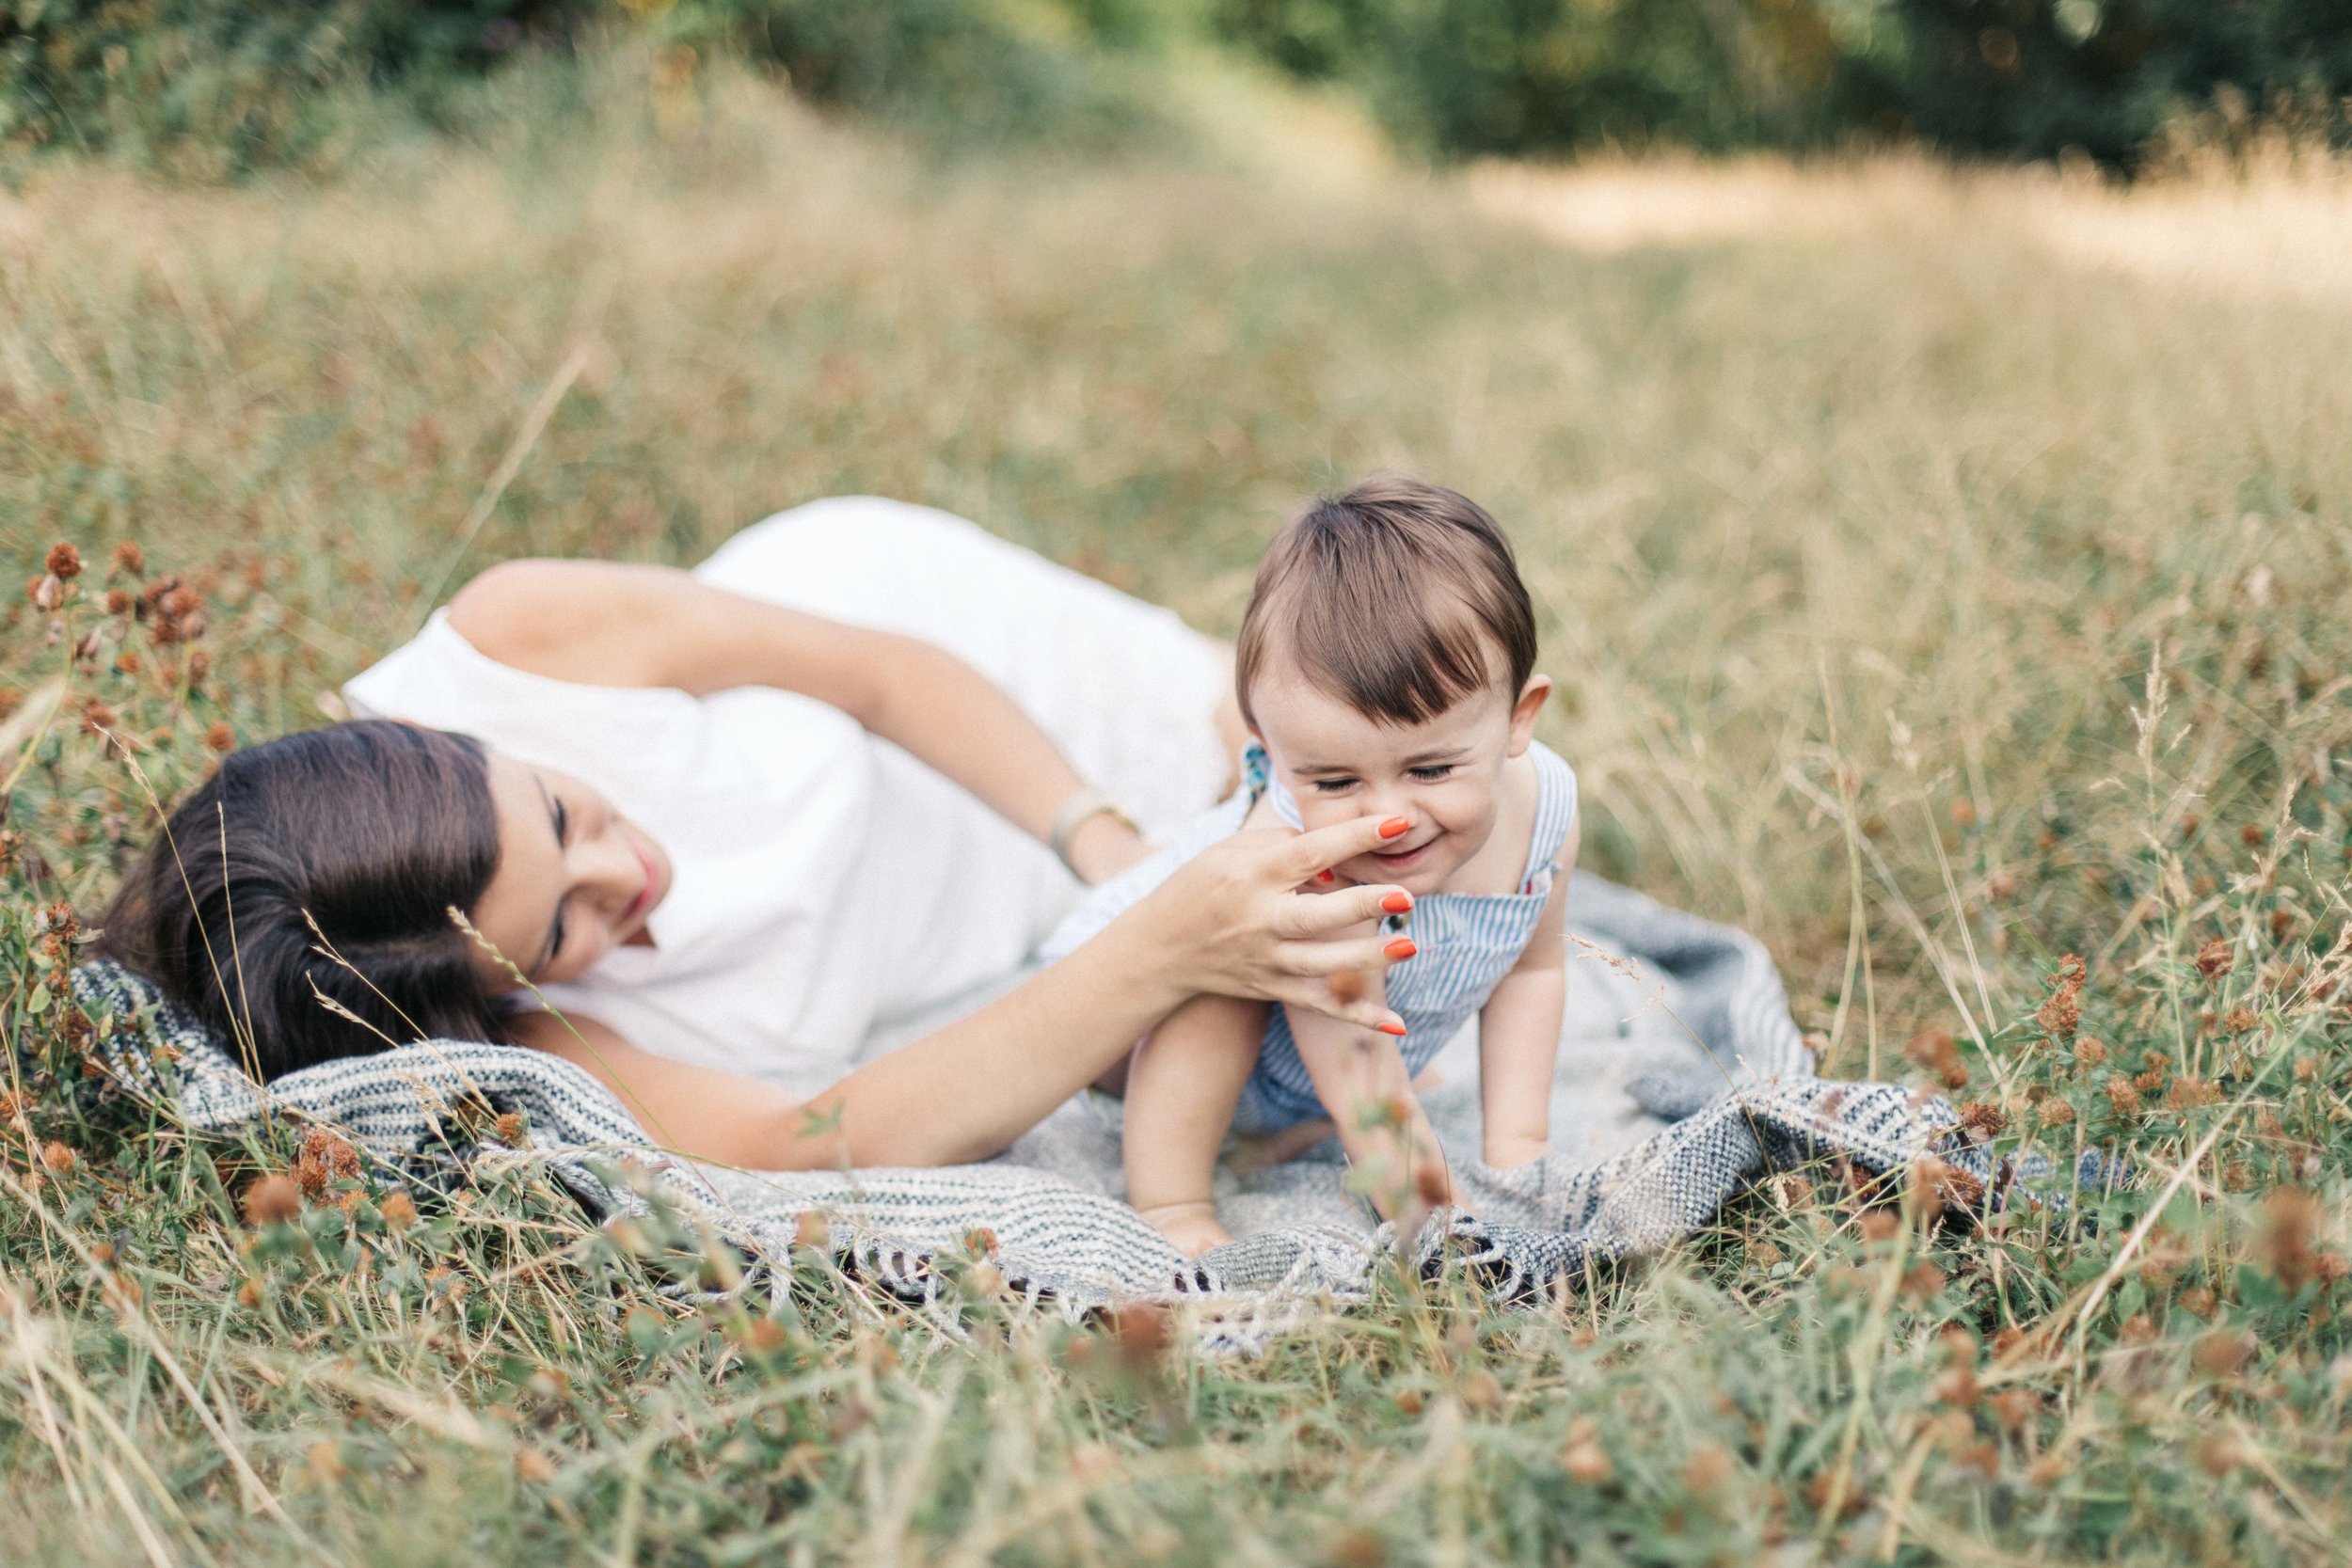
(828, 886)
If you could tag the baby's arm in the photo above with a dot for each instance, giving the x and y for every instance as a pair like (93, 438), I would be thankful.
(1518, 1041)
(1182, 1088)
(1360, 1076)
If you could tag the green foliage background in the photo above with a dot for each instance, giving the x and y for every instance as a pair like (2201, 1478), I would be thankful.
(218, 86)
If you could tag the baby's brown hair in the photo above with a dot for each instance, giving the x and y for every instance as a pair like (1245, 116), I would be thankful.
(1394, 598)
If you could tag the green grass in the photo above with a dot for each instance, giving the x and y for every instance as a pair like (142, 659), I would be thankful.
(1932, 603)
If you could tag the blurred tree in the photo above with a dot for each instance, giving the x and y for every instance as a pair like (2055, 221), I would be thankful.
(218, 86)
(960, 71)
(2034, 77)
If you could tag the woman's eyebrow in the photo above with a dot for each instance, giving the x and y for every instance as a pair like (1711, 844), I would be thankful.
(555, 924)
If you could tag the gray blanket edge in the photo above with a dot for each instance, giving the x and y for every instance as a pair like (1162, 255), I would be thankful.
(427, 1110)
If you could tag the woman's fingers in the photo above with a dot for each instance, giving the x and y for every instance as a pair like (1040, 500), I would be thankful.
(1323, 913)
(1322, 960)
(1326, 847)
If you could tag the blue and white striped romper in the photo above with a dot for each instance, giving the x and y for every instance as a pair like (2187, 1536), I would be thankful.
(1466, 941)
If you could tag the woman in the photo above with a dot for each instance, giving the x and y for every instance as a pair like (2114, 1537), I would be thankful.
(714, 831)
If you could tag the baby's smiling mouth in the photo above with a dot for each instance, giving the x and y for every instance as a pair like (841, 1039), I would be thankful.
(1400, 859)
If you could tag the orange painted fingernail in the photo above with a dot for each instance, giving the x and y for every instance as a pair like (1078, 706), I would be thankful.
(1401, 949)
(1397, 903)
(1395, 827)
(1396, 1029)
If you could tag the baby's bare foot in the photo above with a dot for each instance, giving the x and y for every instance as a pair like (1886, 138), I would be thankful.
(1191, 1228)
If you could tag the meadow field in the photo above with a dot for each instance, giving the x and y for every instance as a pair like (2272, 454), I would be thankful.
(1945, 574)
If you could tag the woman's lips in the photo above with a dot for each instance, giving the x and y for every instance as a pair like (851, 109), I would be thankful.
(648, 894)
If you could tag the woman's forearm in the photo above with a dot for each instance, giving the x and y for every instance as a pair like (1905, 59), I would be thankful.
(1228, 923)
(965, 1091)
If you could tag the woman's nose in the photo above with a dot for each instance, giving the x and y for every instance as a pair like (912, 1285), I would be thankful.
(607, 864)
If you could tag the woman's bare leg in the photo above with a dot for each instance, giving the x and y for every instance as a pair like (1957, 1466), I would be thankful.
(1181, 1087)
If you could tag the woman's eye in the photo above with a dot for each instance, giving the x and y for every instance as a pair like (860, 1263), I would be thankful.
(1334, 787)
(1432, 774)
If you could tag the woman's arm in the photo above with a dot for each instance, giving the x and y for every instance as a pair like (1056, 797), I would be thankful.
(1229, 922)
(605, 623)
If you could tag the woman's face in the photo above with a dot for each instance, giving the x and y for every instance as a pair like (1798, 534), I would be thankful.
(575, 879)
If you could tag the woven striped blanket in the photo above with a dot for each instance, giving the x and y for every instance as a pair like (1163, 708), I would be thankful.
(1682, 1081)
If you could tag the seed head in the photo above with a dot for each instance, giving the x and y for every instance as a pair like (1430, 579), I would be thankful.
(398, 1211)
(2218, 1453)
(1958, 1387)
(127, 557)
(324, 1160)
(1707, 1469)
(272, 1199)
(1586, 1464)
(2214, 960)
(64, 563)
(1923, 1280)
(2189, 1093)
(1982, 1121)
(2291, 1223)
(220, 737)
(59, 1160)
(2060, 1015)
(2219, 1352)
(1143, 1331)
(2123, 1095)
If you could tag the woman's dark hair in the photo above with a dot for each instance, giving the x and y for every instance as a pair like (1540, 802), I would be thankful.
(374, 831)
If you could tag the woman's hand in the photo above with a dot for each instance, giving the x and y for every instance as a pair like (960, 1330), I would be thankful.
(1232, 922)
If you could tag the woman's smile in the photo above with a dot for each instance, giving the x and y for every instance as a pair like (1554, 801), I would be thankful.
(632, 920)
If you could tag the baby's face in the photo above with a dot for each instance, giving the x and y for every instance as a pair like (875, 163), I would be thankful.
(1441, 776)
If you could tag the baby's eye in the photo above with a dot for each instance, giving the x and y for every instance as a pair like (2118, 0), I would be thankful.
(1334, 787)
(1435, 771)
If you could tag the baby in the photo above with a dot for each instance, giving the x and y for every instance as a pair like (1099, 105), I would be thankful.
(1385, 665)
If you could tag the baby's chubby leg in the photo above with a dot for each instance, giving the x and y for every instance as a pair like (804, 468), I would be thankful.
(1182, 1088)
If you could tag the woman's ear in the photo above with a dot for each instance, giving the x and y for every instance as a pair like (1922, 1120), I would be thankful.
(1524, 712)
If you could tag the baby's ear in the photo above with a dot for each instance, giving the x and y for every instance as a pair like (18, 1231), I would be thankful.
(1532, 696)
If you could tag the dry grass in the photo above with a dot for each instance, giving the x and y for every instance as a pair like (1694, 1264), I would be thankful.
(1943, 573)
